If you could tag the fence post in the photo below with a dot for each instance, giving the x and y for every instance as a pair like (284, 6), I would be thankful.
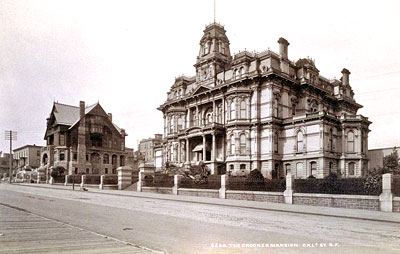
(83, 181)
(386, 197)
(124, 177)
(224, 185)
(51, 180)
(139, 182)
(177, 180)
(101, 182)
(66, 180)
(288, 193)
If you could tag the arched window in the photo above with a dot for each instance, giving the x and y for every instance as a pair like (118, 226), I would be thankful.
(171, 125)
(313, 166)
(242, 166)
(233, 144)
(300, 141)
(122, 160)
(243, 144)
(276, 138)
(243, 109)
(232, 167)
(194, 118)
(293, 109)
(106, 159)
(219, 111)
(351, 168)
(233, 112)
(241, 72)
(180, 123)
(350, 142)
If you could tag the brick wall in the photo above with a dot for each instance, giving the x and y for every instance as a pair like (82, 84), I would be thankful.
(343, 201)
(396, 204)
(274, 197)
(198, 193)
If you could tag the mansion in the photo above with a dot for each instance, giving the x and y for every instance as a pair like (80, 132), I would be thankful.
(263, 111)
(83, 140)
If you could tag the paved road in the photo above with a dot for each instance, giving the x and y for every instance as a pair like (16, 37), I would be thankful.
(181, 227)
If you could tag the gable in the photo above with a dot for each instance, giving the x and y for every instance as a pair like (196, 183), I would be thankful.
(200, 89)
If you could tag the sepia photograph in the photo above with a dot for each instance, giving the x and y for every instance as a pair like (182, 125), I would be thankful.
(199, 126)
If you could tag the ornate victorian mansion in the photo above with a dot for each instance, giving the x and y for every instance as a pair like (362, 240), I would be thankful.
(263, 111)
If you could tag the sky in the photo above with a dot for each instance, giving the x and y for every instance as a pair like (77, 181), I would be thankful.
(126, 55)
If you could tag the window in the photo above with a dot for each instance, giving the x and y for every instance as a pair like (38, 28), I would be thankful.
(222, 47)
(75, 156)
(242, 166)
(219, 114)
(233, 144)
(299, 141)
(363, 142)
(171, 126)
(233, 110)
(330, 167)
(330, 140)
(38, 153)
(62, 140)
(351, 168)
(242, 72)
(87, 157)
(232, 167)
(313, 166)
(293, 109)
(62, 156)
(194, 118)
(114, 171)
(299, 170)
(243, 109)
(76, 170)
(287, 169)
(276, 107)
(106, 171)
(243, 144)
(106, 159)
(350, 142)
(206, 48)
(122, 161)
(180, 123)
(87, 171)
(276, 138)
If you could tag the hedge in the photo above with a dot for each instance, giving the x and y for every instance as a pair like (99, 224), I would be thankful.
(245, 184)
(162, 180)
(396, 186)
(211, 182)
(110, 180)
(92, 179)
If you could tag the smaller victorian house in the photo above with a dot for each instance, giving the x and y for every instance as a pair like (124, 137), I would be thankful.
(82, 140)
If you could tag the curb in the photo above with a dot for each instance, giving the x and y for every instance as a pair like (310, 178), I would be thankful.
(365, 218)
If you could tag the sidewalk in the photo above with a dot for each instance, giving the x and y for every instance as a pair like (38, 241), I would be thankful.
(278, 207)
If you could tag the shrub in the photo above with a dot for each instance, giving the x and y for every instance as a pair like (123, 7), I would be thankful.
(373, 184)
(255, 181)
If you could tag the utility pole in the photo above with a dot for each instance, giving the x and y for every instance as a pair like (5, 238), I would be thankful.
(11, 135)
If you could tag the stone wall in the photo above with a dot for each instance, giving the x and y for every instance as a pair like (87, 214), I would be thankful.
(274, 197)
(161, 190)
(198, 192)
(343, 201)
(396, 204)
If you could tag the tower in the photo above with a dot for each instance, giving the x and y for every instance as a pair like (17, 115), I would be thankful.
(214, 54)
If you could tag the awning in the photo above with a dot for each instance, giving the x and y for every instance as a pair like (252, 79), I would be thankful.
(198, 148)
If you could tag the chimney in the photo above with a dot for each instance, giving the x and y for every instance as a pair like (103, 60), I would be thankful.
(110, 116)
(81, 109)
(345, 77)
(283, 48)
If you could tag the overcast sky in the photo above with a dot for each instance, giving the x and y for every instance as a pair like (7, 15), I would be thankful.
(126, 55)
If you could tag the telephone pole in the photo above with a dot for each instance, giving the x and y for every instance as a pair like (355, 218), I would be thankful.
(11, 135)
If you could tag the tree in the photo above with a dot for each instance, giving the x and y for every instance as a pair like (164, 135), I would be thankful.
(391, 163)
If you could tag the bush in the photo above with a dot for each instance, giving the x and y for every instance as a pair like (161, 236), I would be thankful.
(373, 184)
(255, 181)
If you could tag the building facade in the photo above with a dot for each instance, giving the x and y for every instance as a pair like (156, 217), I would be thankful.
(27, 156)
(146, 148)
(376, 156)
(83, 140)
(263, 111)
(4, 164)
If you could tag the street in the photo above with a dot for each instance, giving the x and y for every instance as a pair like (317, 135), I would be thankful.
(182, 227)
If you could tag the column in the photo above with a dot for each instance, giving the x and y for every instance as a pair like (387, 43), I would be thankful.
(204, 147)
(179, 151)
(223, 110)
(213, 152)
(197, 116)
(214, 115)
(187, 151)
(386, 197)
